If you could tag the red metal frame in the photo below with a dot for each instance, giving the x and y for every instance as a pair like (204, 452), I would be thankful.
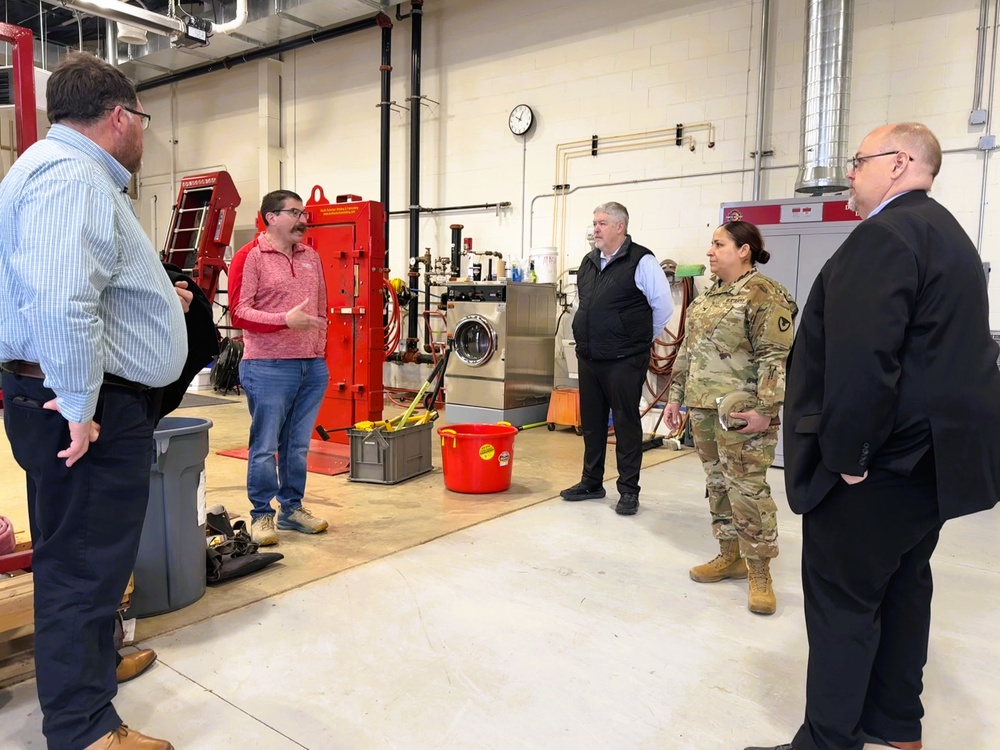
(350, 239)
(19, 560)
(25, 124)
(202, 227)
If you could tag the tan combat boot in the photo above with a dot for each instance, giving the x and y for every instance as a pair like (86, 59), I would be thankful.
(728, 564)
(760, 598)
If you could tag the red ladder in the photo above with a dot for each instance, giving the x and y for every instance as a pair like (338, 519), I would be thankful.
(201, 228)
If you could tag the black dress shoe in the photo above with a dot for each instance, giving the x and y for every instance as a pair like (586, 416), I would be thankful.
(772, 747)
(581, 491)
(628, 504)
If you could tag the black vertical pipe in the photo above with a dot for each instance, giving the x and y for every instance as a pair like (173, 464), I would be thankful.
(456, 249)
(385, 23)
(416, 16)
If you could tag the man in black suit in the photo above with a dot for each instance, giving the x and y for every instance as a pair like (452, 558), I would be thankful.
(891, 408)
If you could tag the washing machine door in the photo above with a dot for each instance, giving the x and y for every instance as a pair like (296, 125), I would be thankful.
(475, 341)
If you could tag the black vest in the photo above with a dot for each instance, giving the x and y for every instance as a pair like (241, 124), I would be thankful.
(614, 319)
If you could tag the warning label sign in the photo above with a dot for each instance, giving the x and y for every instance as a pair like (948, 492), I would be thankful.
(486, 451)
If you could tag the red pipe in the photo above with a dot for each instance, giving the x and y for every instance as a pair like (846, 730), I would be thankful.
(24, 84)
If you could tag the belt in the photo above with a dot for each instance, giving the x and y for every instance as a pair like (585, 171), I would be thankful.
(32, 370)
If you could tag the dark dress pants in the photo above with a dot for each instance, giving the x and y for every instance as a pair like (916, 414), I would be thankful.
(85, 526)
(616, 386)
(866, 580)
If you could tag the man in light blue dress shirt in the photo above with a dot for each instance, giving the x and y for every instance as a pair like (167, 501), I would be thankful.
(90, 330)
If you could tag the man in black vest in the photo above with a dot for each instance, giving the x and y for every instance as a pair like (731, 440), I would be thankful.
(891, 411)
(624, 302)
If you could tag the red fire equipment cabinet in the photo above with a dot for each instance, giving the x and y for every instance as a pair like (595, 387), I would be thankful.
(202, 227)
(349, 237)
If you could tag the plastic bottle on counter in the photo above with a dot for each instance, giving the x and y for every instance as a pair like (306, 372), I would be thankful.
(515, 272)
(532, 276)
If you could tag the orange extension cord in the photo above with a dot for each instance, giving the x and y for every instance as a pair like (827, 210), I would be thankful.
(662, 365)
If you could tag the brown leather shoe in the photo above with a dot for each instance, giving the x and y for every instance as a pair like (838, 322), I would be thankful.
(124, 738)
(133, 665)
(872, 742)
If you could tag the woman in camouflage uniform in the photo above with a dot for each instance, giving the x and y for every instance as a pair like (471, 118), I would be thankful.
(730, 372)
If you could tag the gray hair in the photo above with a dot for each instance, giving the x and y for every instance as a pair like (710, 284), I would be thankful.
(616, 211)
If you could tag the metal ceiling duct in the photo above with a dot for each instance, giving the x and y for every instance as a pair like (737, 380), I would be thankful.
(268, 22)
(826, 96)
(124, 13)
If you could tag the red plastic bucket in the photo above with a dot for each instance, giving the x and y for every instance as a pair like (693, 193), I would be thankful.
(477, 458)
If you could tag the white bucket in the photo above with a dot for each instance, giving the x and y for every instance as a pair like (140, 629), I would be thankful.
(546, 260)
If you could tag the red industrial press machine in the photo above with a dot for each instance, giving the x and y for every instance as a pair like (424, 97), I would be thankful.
(349, 237)
(202, 227)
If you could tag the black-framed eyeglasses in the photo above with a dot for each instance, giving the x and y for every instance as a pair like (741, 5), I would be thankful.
(295, 212)
(146, 118)
(854, 162)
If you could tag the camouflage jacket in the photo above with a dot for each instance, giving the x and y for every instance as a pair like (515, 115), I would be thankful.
(737, 339)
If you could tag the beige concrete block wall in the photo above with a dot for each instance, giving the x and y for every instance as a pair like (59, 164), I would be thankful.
(586, 67)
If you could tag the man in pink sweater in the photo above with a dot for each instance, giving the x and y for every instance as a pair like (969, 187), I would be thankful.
(277, 295)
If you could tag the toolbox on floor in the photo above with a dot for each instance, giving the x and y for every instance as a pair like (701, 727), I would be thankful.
(390, 457)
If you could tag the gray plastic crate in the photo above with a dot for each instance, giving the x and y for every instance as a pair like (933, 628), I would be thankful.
(390, 457)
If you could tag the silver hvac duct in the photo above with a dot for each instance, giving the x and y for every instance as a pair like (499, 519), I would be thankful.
(125, 13)
(826, 96)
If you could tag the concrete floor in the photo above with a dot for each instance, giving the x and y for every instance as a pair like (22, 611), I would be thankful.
(558, 626)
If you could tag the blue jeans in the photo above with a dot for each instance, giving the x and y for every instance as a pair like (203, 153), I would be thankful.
(284, 397)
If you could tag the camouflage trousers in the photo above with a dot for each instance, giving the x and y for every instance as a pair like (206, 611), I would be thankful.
(739, 497)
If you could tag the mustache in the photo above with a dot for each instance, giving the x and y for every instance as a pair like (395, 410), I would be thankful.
(300, 227)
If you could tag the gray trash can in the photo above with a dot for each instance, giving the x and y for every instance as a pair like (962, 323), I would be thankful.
(170, 568)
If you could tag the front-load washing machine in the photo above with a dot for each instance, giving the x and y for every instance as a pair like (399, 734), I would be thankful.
(502, 363)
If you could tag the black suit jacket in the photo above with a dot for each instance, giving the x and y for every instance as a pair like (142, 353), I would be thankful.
(894, 355)
(202, 338)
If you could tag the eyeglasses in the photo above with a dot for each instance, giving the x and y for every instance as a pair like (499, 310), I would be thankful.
(854, 162)
(295, 212)
(146, 119)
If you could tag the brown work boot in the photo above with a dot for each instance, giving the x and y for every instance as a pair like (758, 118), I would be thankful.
(124, 738)
(133, 665)
(760, 598)
(728, 564)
